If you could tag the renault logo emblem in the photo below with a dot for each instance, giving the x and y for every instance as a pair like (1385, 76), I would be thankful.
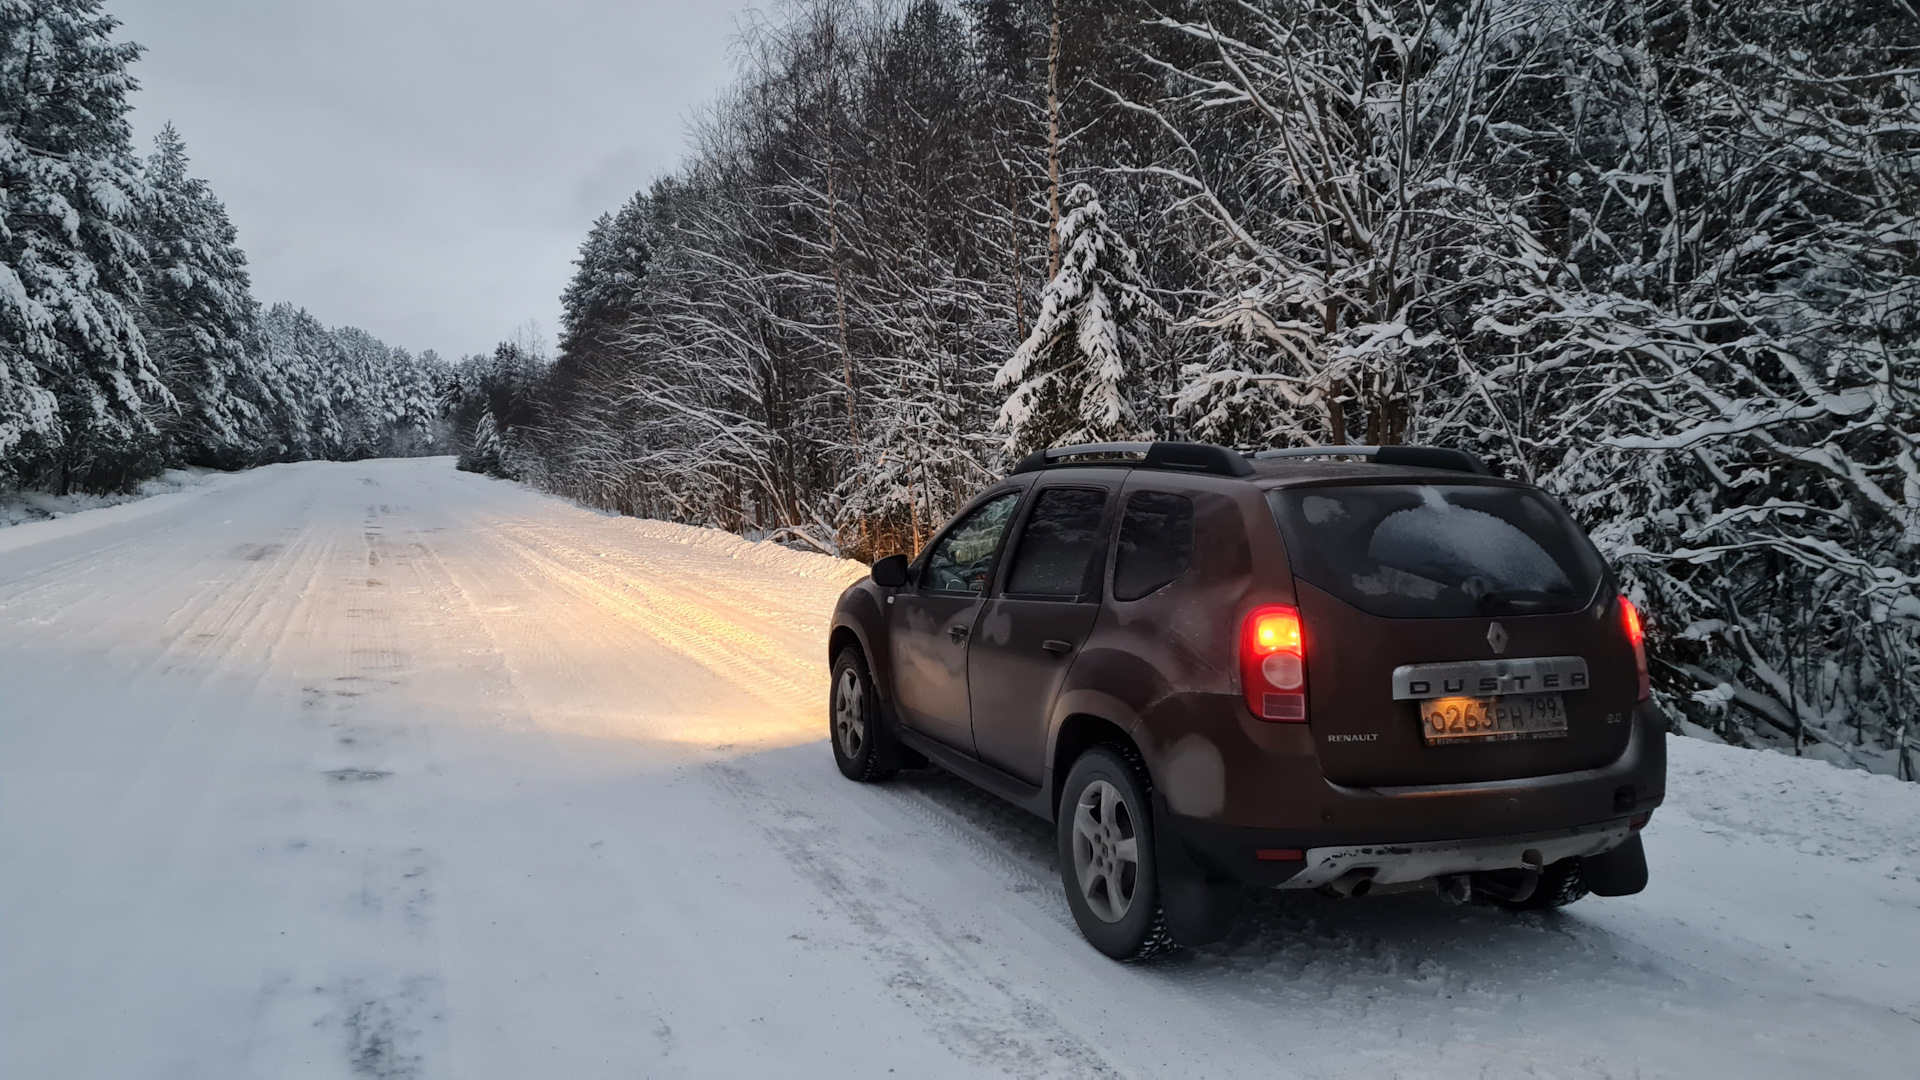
(1497, 637)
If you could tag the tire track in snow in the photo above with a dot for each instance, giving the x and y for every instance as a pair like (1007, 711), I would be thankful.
(979, 1017)
(381, 996)
(983, 841)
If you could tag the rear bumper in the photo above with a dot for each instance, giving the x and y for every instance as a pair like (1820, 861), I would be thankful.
(1280, 801)
(1391, 864)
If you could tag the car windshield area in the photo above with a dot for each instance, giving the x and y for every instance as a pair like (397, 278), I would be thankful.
(1438, 550)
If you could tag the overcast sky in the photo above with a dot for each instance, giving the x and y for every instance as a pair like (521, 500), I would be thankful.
(424, 170)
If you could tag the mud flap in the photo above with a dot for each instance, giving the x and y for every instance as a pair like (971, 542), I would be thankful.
(1200, 908)
(1620, 872)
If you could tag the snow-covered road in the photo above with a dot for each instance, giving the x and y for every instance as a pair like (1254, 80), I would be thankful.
(385, 770)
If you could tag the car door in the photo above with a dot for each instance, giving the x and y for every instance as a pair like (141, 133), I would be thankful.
(930, 622)
(1030, 630)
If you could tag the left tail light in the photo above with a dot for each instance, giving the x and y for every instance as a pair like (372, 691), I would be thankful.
(1273, 663)
(1637, 637)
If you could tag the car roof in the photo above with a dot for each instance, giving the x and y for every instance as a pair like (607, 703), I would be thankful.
(1169, 462)
(1317, 471)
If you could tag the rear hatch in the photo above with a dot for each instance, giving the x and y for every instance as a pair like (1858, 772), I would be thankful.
(1454, 572)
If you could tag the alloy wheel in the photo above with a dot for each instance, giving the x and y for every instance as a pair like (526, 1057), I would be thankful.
(849, 715)
(1106, 851)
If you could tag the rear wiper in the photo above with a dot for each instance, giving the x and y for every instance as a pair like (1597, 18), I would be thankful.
(1519, 602)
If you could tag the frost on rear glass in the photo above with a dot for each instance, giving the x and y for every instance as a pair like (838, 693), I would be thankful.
(1434, 551)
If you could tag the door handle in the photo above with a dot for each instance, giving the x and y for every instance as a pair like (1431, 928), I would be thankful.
(1057, 647)
(958, 632)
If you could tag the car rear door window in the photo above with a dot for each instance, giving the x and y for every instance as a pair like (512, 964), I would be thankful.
(1438, 550)
(1156, 543)
(962, 560)
(1057, 545)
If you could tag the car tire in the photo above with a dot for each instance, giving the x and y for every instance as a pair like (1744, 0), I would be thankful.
(855, 725)
(1107, 855)
(1560, 884)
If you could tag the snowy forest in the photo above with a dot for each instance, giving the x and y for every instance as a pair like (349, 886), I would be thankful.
(130, 341)
(1661, 257)
(1658, 256)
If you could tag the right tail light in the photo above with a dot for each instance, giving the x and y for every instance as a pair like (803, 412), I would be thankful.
(1273, 664)
(1637, 637)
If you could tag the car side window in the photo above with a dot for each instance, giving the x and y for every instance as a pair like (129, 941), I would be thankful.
(1057, 544)
(1156, 543)
(962, 559)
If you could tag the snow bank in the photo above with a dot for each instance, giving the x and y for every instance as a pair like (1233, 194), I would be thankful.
(20, 507)
(30, 517)
(1803, 803)
(762, 555)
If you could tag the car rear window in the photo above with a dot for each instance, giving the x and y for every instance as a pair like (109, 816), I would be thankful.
(1438, 550)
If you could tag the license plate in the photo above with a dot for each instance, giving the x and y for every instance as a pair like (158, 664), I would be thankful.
(1493, 719)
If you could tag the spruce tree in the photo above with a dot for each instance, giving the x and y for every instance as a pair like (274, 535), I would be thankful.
(611, 268)
(1073, 379)
(299, 369)
(198, 315)
(75, 378)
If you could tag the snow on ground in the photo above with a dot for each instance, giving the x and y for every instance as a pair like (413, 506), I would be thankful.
(386, 770)
(24, 506)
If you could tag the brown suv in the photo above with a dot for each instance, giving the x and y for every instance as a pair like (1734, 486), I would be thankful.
(1345, 668)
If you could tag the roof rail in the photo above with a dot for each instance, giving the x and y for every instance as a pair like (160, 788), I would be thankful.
(1419, 457)
(1176, 456)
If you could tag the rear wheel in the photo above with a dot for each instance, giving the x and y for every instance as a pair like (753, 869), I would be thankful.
(1107, 855)
(857, 729)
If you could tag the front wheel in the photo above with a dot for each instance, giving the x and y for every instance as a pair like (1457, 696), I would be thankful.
(1107, 856)
(856, 726)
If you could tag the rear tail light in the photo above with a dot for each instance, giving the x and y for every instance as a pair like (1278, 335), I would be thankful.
(1273, 669)
(1637, 637)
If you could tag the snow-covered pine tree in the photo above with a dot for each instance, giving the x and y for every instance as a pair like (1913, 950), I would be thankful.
(298, 370)
(481, 451)
(1072, 380)
(412, 403)
(494, 404)
(198, 315)
(75, 378)
(611, 267)
(364, 391)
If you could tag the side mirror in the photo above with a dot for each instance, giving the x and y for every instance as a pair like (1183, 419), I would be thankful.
(890, 572)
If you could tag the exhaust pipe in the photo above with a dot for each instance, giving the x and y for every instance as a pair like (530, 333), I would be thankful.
(1355, 882)
(1516, 889)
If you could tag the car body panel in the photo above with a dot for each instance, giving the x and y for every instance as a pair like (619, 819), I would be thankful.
(1366, 737)
(926, 634)
(1022, 649)
(1015, 677)
(929, 633)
